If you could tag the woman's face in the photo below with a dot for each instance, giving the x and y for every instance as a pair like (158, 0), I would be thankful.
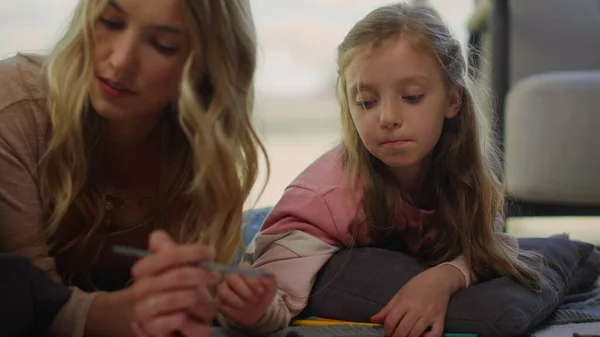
(139, 53)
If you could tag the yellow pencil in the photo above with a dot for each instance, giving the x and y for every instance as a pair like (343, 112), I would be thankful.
(309, 322)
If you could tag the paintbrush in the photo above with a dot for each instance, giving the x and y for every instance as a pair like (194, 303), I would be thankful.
(212, 266)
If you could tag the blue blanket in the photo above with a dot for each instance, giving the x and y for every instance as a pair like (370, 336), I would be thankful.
(578, 308)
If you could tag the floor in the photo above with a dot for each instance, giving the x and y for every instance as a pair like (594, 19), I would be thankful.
(579, 228)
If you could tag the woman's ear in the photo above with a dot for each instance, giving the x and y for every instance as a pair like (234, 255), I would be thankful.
(454, 102)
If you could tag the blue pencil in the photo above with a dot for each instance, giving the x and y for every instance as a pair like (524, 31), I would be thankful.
(212, 266)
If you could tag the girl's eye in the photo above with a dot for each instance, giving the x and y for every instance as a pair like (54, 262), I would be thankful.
(366, 104)
(413, 98)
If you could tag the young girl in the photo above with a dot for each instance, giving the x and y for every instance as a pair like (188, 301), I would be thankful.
(410, 175)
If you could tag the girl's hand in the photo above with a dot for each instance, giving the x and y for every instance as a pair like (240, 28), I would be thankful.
(243, 300)
(171, 293)
(419, 308)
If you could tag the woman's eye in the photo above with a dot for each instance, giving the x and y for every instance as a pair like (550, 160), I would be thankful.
(111, 24)
(164, 49)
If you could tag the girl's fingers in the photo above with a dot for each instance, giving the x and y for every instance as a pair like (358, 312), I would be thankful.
(204, 313)
(230, 312)
(419, 328)
(242, 287)
(437, 329)
(381, 316)
(406, 324)
(257, 284)
(393, 318)
(228, 297)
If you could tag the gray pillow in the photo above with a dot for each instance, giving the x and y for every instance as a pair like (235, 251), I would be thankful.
(586, 277)
(355, 284)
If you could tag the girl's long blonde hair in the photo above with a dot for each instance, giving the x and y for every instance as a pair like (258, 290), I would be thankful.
(465, 169)
(212, 135)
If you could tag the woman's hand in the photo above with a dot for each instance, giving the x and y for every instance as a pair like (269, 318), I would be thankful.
(171, 293)
(419, 308)
(243, 300)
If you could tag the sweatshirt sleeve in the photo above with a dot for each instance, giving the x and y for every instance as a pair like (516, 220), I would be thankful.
(20, 205)
(297, 239)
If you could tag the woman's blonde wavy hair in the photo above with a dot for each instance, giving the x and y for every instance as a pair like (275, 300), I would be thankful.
(212, 133)
(465, 169)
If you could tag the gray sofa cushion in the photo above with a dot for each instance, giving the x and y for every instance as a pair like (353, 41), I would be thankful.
(551, 35)
(355, 284)
(552, 139)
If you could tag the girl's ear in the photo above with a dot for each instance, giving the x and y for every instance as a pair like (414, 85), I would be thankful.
(454, 102)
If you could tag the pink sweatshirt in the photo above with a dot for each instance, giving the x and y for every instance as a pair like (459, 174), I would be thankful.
(307, 226)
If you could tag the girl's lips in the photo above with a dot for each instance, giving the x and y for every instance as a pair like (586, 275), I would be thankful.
(395, 143)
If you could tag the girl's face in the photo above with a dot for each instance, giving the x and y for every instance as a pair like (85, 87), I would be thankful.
(398, 101)
(139, 52)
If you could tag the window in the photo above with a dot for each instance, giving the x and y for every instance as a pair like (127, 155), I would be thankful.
(296, 109)
(32, 25)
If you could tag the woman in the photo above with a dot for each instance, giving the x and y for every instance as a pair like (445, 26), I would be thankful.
(139, 119)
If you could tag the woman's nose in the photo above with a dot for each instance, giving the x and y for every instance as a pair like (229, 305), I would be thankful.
(123, 58)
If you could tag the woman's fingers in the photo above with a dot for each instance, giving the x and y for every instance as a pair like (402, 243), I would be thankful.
(169, 302)
(137, 330)
(196, 329)
(179, 324)
(176, 279)
(165, 325)
(171, 292)
(159, 240)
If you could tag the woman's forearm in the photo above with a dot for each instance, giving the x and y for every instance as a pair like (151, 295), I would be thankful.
(110, 314)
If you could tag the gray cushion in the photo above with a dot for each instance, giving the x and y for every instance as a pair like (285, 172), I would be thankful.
(550, 35)
(586, 277)
(355, 284)
(552, 138)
